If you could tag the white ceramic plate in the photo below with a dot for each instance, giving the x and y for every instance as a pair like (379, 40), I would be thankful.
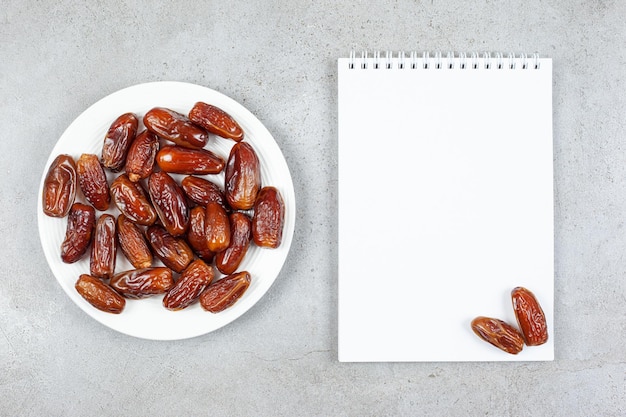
(148, 318)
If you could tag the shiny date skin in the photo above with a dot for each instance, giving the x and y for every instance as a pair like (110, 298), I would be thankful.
(169, 202)
(99, 294)
(179, 160)
(174, 252)
(196, 236)
(141, 156)
(93, 181)
(216, 121)
(216, 227)
(499, 333)
(132, 201)
(530, 316)
(117, 140)
(224, 293)
(80, 225)
(104, 248)
(133, 243)
(228, 260)
(143, 282)
(242, 176)
(202, 191)
(175, 127)
(268, 218)
(192, 282)
(59, 189)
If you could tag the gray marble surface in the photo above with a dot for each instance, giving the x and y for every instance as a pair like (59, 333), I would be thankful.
(278, 58)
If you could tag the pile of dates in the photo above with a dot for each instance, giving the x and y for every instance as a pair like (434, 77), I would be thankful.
(193, 226)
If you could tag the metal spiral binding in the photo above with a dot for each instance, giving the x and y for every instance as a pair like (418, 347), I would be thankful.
(438, 60)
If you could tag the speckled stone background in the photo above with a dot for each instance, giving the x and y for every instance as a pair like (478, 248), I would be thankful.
(278, 58)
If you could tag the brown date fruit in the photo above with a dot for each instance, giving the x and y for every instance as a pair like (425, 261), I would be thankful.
(228, 260)
(120, 135)
(499, 333)
(144, 282)
(268, 218)
(104, 248)
(179, 160)
(242, 176)
(141, 155)
(59, 188)
(216, 227)
(530, 316)
(216, 121)
(132, 201)
(224, 293)
(99, 294)
(93, 181)
(133, 243)
(169, 202)
(175, 127)
(80, 224)
(174, 252)
(196, 236)
(202, 191)
(192, 282)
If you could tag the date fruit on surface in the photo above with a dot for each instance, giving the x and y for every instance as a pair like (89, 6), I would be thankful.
(202, 191)
(192, 282)
(132, 201)
(268, 218)
(530, 316)
(242, 176)
(499, 333)
(93, 181)
(143, 282)
(133, 243)
(228, 260)
(179, 160)
(216, 121)
(169, 202)
(224, 293)
(59, 187)
(141, 155)
(196, 236)
(175, 127)
(99, 294)
(104, 248)
(80, 224)
(117, 141)
(174, 252)
(217, 227)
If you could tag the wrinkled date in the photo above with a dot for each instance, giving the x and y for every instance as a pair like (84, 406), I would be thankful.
(104, 248)
(175, 253)
(268, 218)
(196, 236)
(80, 224)
(179, 160)
(228, 260)
(224, 293)
(132, 201)
(499, 333)
(144, 282)
(242, 176)
(141, 156)
(133, 243)
(117, 141)
(217, 227)
(192, 282)
(530, 317)
(175, 127)
(202, 191)
(216, 121)
(99, 294)
(93, 181)
(169, 202)
(59, 188)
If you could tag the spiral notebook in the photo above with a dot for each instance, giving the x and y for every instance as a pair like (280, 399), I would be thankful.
(445, 202)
